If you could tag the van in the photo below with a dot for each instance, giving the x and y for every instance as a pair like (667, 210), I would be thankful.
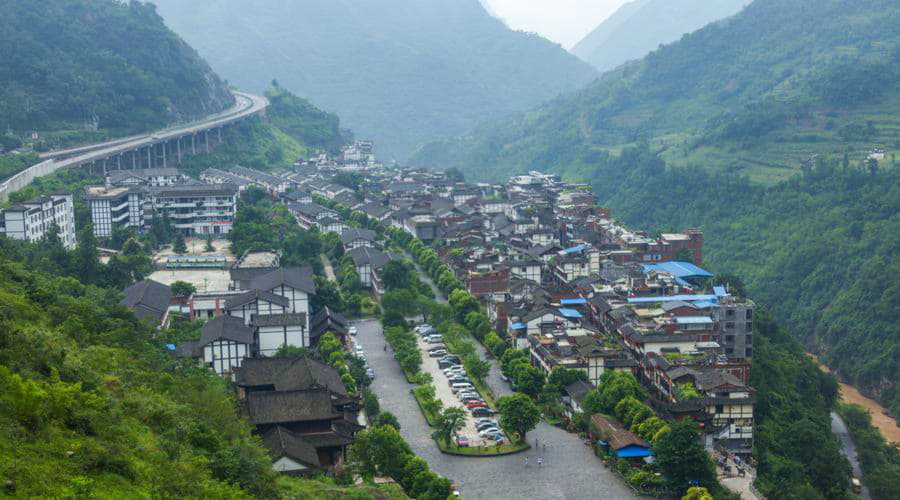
(434, 339)
(462, 386)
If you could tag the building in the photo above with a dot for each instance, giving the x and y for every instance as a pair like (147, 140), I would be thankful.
(156, 177)
(355, 238)
(149, 300)
(225, 342)
(366, 260)
(615, 438)
(31, 220)
(194, 209)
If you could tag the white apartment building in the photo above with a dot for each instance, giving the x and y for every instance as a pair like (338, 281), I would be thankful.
(30, 220)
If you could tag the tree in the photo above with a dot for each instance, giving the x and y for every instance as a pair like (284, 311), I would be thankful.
(87, 259)
(182, 289)
(379, 451)
(495, 344)
(396, 275)
(518, 414)
(697, 494)
(209, 243)
(529, 380)
(455, 175)
(561, 377)
(401, 301)
(292, 351)
(328, 345)
(387, 418)
(179, 246)
(476, 367)
(463, 303)
(682, 459)
(451, 421)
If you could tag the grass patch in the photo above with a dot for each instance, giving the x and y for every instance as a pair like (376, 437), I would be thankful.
(489, 451)
(485, 392)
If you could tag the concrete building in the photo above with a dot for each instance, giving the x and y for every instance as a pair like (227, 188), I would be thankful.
(32, 219)
(115, 206)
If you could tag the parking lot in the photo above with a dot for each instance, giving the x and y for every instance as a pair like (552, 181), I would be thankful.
(444, 392)
(570, 471)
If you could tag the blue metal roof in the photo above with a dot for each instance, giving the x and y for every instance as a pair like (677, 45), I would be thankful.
(679, 269)
(719, 291)
(518, 326)
(634, 451)
(575, 249)
(573, 302)
(703, 304)
(693, 320)
(684, 283)
(670, 298)
(569, 313)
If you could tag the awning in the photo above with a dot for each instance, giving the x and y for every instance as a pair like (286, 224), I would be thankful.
(518, 326)
(573, 302)
(569, 313)
(634, 452)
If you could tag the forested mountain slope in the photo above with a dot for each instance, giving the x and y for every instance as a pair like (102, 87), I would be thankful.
(757, 93)
(69, 62)
(641, 26)
(401, 72)
(789, 94)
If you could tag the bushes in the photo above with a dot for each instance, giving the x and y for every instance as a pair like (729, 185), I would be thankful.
(406, 350)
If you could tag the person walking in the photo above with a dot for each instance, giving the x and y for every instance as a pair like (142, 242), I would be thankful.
(526, 461)
(385, 347)
(540, 461)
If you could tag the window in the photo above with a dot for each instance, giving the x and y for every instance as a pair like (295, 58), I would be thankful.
(748, 352)
(729, 351)
(720, 408)
(749, 340)
(729, 312)
(749, 326)
(729, 325)
(749, 314)
(729, 339)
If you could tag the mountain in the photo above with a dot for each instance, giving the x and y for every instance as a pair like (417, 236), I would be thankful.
(72, 61)
(401, 72)
(641, 26)
(757, 129)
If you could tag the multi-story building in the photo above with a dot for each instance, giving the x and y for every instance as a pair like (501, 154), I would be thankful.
(32, 219)
(144, 177)
(194, 209)
(115, 206)
(734, 325)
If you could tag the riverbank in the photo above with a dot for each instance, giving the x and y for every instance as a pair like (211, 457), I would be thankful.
(880, 419)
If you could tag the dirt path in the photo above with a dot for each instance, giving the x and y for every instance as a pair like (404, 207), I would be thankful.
(880, 419)
(329, 272)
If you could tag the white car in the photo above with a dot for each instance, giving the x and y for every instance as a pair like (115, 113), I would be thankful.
(353, 330)
(490, 433)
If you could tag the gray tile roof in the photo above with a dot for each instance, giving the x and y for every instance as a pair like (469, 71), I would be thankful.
(250, 296)
(353, 234)
(289, 374)
(148, 299)
(278, 319)
(282, 407)
(371, 256)
(225, 328)
(299, 278)
(280, 442)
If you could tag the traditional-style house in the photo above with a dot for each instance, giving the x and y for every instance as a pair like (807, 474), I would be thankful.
(149, 300)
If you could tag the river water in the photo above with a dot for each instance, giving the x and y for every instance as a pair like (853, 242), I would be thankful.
(880, 419)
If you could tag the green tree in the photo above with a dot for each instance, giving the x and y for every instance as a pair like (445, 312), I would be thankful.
(476, 367)
(682, 458)
(529, 380)
(561, 377)
(518, 414)
(697, 494)
(387, 418)
(370, 404)
(87, 259)
(179, 246)
(292, 351)
(379, 451)
(182, 289)
(451, 421)
(209, 244)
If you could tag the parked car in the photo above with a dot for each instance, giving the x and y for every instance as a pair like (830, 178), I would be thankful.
(370, 373)
(476, 404)
(504, 378)
(462, 441)
(421, 328)
(485, 426)
(490, 433)
(484, 420)
(465, 394)
(445, 364)
(471, 399)
(353, 330)
(454, 369)
(434, 339)
(358, 349)
(457, 379)
(451, 357)
(437, 353)
(483, 412)
(440, 347)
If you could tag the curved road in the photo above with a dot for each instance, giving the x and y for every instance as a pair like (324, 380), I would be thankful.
(246, 105)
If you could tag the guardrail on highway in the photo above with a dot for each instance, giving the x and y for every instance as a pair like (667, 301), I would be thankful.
(254, 105)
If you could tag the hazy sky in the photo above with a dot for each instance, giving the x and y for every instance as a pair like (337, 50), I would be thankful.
(563, 21)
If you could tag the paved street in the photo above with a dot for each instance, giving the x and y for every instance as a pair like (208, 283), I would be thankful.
(570, 470)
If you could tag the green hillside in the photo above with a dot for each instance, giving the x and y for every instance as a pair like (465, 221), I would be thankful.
(71, 61)
(641, 26)
(756, 129)
(756, 94)
(401, 72)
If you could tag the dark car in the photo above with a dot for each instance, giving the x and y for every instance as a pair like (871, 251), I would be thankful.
(446, 364)
(483, 412)
(451, 357)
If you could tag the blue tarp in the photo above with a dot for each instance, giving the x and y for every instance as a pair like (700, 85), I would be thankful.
(518, 326)
(573, 302)
(678, 269)
(703, 304)
(569, 313)
(671, 298)
(719, 291)
(575, 249)
(634, 452)
(171, 347)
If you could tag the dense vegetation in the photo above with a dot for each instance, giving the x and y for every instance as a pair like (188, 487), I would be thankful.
(757, 94)
(641, 26)
(399, 72)
(879, 460)
(75, 61)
